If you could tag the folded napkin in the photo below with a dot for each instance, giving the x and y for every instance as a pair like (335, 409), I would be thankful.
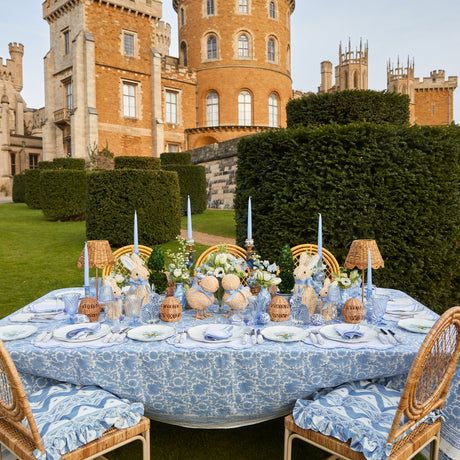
(83, 331)
(218, 332)
(401, 305)
(46, 306)
(349, 331)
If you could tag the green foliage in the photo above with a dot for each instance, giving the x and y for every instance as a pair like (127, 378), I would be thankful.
(176, 158)
(397, 184)
(346, 107)
(137, 163)
(69, 163)
(114, 195)
(32, 188)
(46, 165)
(192, 181)
(156, 265)
(19, 188)
(63, 194)
(286, 266)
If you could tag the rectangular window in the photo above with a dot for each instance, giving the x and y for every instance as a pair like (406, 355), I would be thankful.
(68, 95)
(210, 7)
(66, 35)
(171, 107)
(243, 6)
(128, 44)
(33, 161)
(173, 148)
(13, 163)
(129, 100)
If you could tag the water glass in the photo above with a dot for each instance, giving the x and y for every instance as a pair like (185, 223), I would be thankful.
(71, 303)
(376, 308)
(132, 308)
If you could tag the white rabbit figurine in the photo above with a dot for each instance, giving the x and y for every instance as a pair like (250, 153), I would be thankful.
(139, 280)
(303, 274)
(115, 306)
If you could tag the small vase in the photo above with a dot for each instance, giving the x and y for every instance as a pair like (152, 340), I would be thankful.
(262, 302)
(179, 294)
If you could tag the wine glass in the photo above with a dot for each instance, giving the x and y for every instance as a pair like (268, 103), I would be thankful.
(132, 307)
(71, 303)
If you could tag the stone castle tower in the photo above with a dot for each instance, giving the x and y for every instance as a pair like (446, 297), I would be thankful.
(431, 98)
(350, 73)
(240, 50)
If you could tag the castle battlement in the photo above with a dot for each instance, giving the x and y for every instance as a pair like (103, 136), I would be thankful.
(163, 37)
(171, 68)
(11, 68)
(356, 56)
(436, 80)
(399, 71)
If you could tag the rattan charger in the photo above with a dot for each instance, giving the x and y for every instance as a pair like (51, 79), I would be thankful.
(23, 439)
(426, 390)
(232, 249)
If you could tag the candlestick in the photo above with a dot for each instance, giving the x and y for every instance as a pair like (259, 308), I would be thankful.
(320, 238)
(189, 219)
(249, 219)
(190, 252)
(136, 235)
(86, 270)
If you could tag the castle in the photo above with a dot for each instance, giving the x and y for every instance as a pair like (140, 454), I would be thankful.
(431, 98)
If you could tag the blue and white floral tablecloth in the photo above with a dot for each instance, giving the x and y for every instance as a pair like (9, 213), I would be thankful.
(215, 388)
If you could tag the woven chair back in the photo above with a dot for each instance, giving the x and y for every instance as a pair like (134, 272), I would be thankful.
(233, 249)
(430, 376)
(332, 266)
(144, 253)
(14, 407)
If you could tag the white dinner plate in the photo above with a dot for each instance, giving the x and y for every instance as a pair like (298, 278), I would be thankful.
(197, 333)
(422, 326)
(151, 333)
(57, 306)
(16, 332)
(329, 332)
(61, 333)
(284, 333)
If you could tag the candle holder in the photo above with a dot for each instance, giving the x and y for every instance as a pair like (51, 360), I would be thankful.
(191, 253)
(250, 253)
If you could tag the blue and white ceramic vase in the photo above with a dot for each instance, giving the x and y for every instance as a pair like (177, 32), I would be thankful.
(179, 294)
(262, 302)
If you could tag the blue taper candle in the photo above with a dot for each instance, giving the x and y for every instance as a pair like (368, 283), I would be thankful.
(249, 219)
(136, 235)
(189, 219)
(86, 269)
(369, 273)
(320, 237)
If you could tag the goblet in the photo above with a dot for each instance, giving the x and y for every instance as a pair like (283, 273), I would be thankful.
(71, 302)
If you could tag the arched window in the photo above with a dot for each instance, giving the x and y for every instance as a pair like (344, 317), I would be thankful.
(273, 111)
(210, 8)
(243, 46)
(245, 108)
(212, 47)
(183, 54)
(182, 17)
(243, 6)
(288, 57)
(272, 10)
(271, 49)
(212, 109)
(355, 80)
(347, 83)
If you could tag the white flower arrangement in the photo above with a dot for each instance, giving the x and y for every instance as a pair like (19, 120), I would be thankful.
(263, 273)
(346, 279)
(177, 267)
(223, 263)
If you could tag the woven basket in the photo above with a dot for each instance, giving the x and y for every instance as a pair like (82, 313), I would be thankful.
(170, 310)
(279, 309)
(91, 308)
(353, 311)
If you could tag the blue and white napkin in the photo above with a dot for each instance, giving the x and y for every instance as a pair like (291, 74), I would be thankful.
(83, 331)
(46, 306)
(218, 332)
(349, 331)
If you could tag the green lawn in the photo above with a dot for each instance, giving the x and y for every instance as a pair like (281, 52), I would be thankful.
(214, 222)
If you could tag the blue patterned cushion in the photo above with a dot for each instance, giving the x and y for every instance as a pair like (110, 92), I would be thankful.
(69, 416)
(360, 412)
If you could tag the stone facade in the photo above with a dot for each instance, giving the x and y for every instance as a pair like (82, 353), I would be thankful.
(20, 127)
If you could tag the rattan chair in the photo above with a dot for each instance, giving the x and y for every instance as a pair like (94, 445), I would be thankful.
(144, 253)
(22, 439)
(233, 249)
(426, 390)
(332, 266)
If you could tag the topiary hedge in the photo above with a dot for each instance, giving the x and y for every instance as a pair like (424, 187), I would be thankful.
(47, 165)
(32, 188)
(69, 163)
(112, 197)
(63, 194)
(192, 181)
(126, 162)
(397, 184)
(19, 188)
(176, 158)
(347, 107)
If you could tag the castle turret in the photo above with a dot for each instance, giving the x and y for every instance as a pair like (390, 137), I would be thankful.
(352, 71)
(163, 38)
(17, 54)
(401, 79)
(326, 77)
(5, 122)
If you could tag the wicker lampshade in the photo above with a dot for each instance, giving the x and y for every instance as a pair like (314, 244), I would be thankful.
(99, 253)
(357, 255)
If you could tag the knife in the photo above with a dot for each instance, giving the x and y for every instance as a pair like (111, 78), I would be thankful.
(394, 336)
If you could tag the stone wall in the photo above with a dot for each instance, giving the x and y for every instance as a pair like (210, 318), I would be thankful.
(220, 162)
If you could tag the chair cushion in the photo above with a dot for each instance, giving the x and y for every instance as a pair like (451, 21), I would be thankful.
(70, 416)
(360, 412)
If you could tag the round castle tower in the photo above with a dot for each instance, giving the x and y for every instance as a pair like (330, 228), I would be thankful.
(240, 50)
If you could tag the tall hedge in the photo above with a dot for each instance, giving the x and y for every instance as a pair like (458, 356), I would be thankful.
(397, 184)
(192, 182)
(19, 188)
(112, 197)
(63, 194)
(32, 188)
(346, 107)
(47, 165)
(176, 158)
(69, 163)
(128, 162)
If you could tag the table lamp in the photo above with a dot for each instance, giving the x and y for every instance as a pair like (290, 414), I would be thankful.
(358, 257)
(99, 255)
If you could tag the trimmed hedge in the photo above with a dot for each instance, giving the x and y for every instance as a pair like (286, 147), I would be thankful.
(32, 188)
(63, 194)
(347, 107)
(47, 165)
(192, 181)
(19, 188)
(397, 184)
(69, 163)
(112, 197)
(126, 162)
(176, 158)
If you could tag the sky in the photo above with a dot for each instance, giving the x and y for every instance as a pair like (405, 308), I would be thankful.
(422, 29)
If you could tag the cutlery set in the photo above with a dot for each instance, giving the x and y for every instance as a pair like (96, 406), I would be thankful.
(255, 337)
(389, 337)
